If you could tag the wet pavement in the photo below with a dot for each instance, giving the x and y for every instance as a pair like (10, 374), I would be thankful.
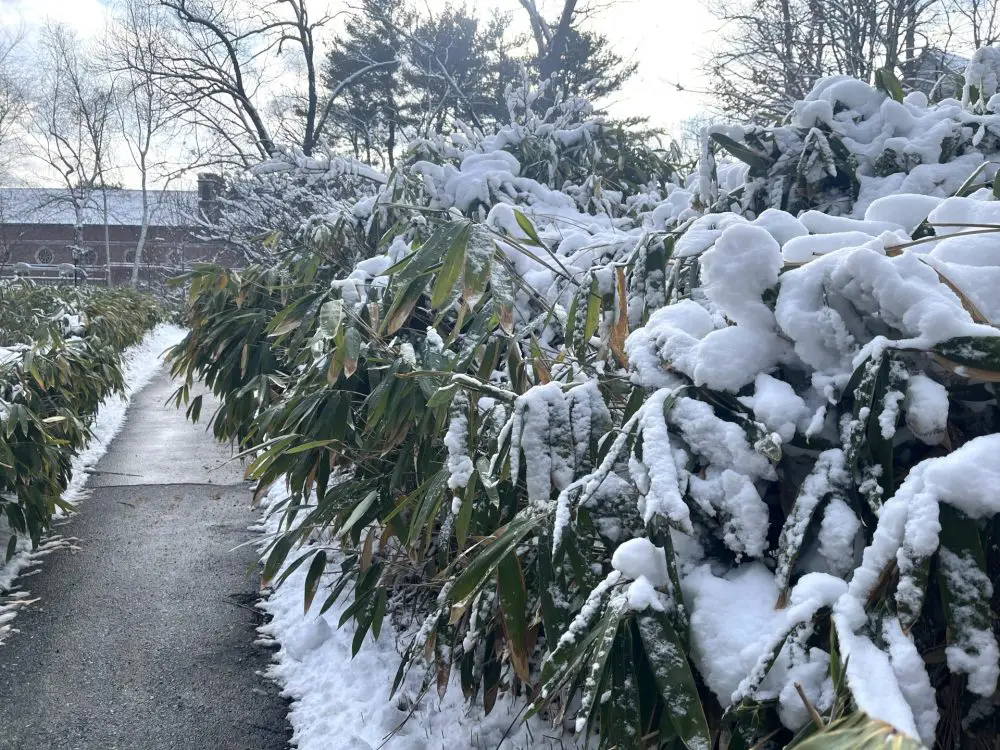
(144, 637)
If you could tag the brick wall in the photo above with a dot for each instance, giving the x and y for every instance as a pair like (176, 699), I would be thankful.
(167, 249)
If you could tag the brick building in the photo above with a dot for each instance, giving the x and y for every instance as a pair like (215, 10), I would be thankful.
(37, 234)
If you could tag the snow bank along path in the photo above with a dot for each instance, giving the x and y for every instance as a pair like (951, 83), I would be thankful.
(342, 703)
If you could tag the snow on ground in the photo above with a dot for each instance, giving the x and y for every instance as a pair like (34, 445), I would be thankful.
(342, 703)
(139, 364)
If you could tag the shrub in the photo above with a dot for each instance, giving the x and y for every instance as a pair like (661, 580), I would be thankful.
(679, 478)
(61, 359)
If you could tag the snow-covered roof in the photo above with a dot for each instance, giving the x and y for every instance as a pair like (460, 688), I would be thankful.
(168, 208)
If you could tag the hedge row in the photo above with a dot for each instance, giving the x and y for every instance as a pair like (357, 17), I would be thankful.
(61, 356)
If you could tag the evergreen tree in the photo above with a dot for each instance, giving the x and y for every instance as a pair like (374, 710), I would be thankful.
(368, 116)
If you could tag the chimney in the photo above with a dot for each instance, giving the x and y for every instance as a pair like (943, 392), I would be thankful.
(209, 189)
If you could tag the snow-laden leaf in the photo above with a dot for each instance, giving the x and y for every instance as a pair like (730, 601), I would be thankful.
(502, 284)
(478, 262)
(597, 662)
(669, 662)
(971, 356)
(967, 593)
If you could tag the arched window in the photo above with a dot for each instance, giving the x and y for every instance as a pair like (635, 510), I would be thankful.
(130, 256)
(85, 256)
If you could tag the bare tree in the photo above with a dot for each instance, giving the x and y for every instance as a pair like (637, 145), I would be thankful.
(146, 122)
(771, 52)
(221, 63)
(15, 84)
(73, 115)
(975, 22)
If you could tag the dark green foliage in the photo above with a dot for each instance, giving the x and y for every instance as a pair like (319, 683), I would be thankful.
(51, 387)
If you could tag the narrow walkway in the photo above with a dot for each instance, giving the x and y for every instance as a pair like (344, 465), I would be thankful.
(143, 639)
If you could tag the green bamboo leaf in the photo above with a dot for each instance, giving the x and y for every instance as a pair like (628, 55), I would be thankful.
(620, 717)
(885, 80)
(429, 254)
(672, 671)
(313, 577)
(514, 607)
(485, 563)
(309, 446)
(275, 559)
(381, 602)
(867, 450)
(821, 482)
(966, 590)
(615, 612)
(194, 410)
(451, 269)
(464, 518)
(402, 306)
(352, 350)
(748, 156)
(971, 356)
(11, 547)
(443, 395)
(527, 227)
(359, 511)
(593, 313)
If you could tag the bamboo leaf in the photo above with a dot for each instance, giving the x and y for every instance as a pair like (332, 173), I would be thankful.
(885, 80)
(275, 559)
(514, 606)
(858, 732)
(451, 269)
(593, 313)
(755, 160)
(502, 284)
(527, 227)
(971, 356)
(668, 660)
(478, 262)
(313, 577)
(485, 563)
(331, 317)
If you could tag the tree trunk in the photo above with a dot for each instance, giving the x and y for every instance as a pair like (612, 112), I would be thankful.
(788, 51)
(391, 143)
(141, 244)
(107, 234)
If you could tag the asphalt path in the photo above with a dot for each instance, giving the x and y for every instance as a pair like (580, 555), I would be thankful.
(143, 637)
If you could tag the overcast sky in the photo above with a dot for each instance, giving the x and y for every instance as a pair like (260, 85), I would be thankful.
(667, 38)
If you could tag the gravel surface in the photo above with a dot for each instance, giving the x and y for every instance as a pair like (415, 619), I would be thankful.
(143, 638)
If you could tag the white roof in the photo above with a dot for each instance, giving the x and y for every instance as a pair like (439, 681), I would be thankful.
(168, 208)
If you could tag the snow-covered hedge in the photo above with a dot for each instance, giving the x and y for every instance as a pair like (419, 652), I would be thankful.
(846, 145)
(60, 358)
(675, 476)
